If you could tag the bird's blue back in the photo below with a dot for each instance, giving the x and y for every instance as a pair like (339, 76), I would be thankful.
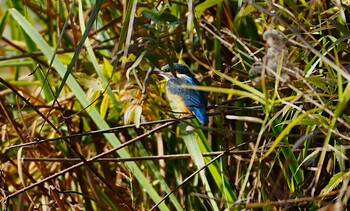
(195, 100)
(183, 70)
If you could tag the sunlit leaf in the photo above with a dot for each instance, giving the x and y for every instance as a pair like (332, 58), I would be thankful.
(107, 68)
(104, 106)
(93, 95)
(319, 82)
(3, 22)
(200, 8)
(88, 81)
(335, 181)
(129, 114)
(137, 116)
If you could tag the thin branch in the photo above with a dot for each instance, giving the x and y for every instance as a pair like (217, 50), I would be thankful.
(87, 161)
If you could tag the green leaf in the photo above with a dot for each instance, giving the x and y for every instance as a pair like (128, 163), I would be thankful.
(287, 129)
(190, 140)
(319, 82)
(133, 114)
(322, 119)
(80, 95)
(107, 68)
(104, 106)
(166, 17)
(335, 181)
(3, 22)
(308, 122)
(86, 31)
(158, 16)
(88, 82)
(200, 8)
(129, 114)
(340, 156)
(93, 59)
(135, 64)
(150, 14)
(137, 116)
(246, 11)
(130, 58)
(92, 95)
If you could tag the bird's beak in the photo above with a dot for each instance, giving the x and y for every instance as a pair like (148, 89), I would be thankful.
(166, 75)
(157, 71)
(153, 71)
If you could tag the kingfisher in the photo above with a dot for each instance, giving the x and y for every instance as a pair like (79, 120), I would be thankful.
(182, 99)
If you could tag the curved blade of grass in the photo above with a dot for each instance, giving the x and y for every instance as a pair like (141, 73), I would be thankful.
(200, 8)
(240, 84)
(227, 91)
(3, 23)
(80, 95)
(16, 34)
(290, 157)
(287, 130)
(335, 181)
(159, 177)
(80, 45)
(216, 173)
(343, 102)
(197, 144)
(193, 148)
(191, 18)
(93, 59)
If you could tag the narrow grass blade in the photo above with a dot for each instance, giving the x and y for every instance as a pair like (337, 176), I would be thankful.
(80, 95)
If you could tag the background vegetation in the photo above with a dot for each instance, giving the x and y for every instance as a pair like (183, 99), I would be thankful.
(84, 126)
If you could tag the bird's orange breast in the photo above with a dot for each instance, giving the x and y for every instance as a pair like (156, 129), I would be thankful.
(177, 103)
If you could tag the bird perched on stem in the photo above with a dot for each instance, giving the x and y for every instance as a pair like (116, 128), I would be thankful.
(183, 99)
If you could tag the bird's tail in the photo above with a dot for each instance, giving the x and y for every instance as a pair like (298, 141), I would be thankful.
(200, 114)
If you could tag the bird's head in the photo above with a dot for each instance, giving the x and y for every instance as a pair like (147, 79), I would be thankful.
(164, 74)
(172, 71)
(186, 100)
(177, 68)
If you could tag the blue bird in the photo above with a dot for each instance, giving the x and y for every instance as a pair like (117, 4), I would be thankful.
(184, 100)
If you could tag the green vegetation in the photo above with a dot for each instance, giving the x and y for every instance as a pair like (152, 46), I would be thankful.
(83, 125)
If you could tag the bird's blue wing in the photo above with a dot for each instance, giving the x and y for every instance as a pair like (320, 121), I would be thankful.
(193, 99)
(193, 82)
(198, 100)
